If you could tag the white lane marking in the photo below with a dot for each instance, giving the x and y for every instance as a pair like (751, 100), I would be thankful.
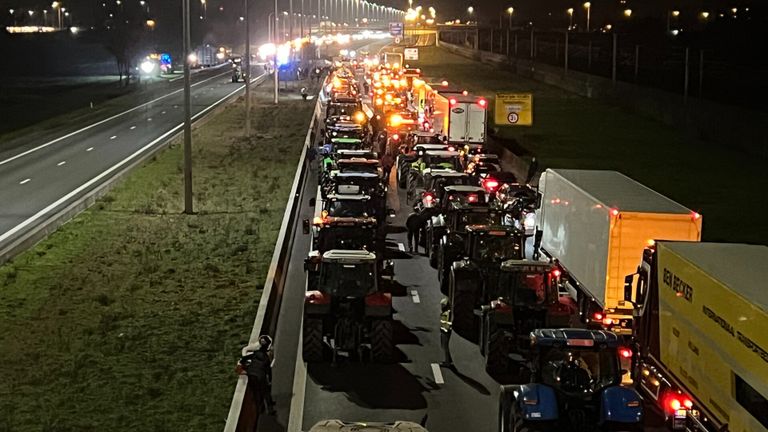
(24, 181)
(149, 119)
(296, 416)
(61, 163)
(133, 127)
(109, 170)
(401, 247)
(437, 373)
(162, 112)
(113, 137)
(91, 126)
(175, 106)
(415, 296)
(89, 149)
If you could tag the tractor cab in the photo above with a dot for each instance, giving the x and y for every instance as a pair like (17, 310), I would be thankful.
(575, 385)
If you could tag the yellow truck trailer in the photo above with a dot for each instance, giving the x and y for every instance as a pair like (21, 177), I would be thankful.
(701, 334)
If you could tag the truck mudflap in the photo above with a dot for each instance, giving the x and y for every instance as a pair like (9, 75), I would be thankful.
(621, 405)
(536, 402)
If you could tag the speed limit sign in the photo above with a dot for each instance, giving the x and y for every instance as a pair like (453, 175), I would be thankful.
(513, 117)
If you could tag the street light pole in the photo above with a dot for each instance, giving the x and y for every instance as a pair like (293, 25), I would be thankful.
(274, 71)
(290, 20)
(187, 42)
(247, 71)
(588, 6)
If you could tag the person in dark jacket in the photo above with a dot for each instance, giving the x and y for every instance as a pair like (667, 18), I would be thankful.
(414, 224)
(258, 366)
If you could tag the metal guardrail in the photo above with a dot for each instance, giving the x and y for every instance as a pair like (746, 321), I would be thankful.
(63, 215)
(243, 415)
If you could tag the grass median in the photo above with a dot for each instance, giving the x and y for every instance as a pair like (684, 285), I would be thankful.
(574, 132)
(131, 316)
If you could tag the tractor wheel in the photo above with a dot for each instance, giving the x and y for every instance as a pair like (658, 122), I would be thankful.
(382, 343)
(312, 342)
(505, 411)
(401, 179)
(463, 310)
(496, 352)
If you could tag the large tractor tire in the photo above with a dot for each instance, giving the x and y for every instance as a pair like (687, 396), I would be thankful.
(496, 360)
(382, 341)
(463, 311)
(401, 179)
(312, 340)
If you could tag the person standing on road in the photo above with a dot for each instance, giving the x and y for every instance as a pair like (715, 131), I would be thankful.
(414, 224)
(446, 329)
(257, 364)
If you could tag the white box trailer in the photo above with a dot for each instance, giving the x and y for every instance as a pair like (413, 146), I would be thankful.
(462, 118)
(596, 224)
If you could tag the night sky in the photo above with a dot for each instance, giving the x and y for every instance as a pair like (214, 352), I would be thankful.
(222, 23)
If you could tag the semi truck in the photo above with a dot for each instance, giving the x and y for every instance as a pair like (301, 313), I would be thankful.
(700, 340)
(594, 225)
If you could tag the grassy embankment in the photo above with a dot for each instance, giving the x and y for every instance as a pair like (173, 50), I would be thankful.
(131, 316)
(574, 132)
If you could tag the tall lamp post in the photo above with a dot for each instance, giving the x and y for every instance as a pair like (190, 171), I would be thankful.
(588, 7)
(187, 43)
(670, 14)
(510, 11)
(470, 11)
(569, 11)
(247, 70)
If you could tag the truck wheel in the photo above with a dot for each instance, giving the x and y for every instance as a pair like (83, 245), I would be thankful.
(382, 343)
(463, 310)
(496, 352)
(312, 342)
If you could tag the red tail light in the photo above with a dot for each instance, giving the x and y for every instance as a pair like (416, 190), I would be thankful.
(625, 353)
(490, 184)
(674, 404)
(556, 273)
(428, 197)
(395, 137)
(482, 103)
(452, 101)
(472, 198)
(687, 403)
(598, 316)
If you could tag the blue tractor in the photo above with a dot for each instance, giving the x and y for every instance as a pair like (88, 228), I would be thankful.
(575, 386)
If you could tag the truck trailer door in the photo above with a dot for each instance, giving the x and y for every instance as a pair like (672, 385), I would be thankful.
(476, 119)
(457, 123)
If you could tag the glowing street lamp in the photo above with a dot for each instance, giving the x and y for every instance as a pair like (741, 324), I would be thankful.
(57, 5)
(627, 13)
(705, 15)
(588, 7)
(569, 11)
(510, 11)
(670, 14)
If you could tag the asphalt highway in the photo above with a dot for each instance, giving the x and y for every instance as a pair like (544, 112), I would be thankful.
(416, 387)
(41, 177)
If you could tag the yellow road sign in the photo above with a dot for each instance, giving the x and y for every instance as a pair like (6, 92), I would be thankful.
(514, 109)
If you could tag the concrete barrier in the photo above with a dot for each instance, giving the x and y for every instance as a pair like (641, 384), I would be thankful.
(243, 413)
(58, 217)
(730, 126)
